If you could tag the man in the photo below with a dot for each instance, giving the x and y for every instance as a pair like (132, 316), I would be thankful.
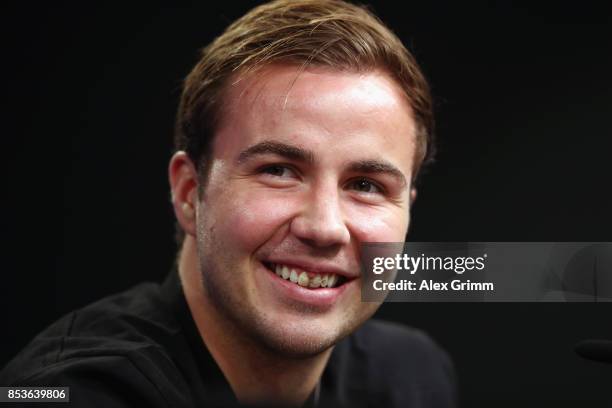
(299, 136)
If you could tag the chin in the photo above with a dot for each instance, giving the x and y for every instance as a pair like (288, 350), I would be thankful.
(299, 340)
(303, 337)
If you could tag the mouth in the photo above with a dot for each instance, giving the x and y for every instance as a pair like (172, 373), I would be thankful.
(305, 279)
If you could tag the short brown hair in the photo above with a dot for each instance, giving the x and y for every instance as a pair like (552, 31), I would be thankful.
(328, 33)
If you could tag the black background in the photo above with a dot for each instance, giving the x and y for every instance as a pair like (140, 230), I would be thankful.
(523, 101)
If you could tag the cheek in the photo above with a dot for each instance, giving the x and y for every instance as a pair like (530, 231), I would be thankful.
(380, 224)
(249, 220)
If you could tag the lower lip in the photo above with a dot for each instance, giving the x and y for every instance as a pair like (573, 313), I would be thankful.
(322, 298)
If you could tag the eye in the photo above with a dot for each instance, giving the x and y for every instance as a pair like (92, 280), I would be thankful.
(278, 170)
(365, 186)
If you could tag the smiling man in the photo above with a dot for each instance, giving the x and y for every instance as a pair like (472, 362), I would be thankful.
(305, 167)
(299, 136)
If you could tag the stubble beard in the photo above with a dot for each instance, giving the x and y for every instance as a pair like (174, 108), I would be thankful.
(295, 340)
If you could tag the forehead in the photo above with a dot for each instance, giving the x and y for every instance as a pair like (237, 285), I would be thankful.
(317, 106)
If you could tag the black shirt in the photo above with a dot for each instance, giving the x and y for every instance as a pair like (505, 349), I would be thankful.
(141, 348)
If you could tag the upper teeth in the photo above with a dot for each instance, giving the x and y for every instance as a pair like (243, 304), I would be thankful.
(303, 278)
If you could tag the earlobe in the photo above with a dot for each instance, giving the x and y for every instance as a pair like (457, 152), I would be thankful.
(183, 184)
(413, 195)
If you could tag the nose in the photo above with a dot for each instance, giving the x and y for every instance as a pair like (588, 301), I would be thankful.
(321, 221)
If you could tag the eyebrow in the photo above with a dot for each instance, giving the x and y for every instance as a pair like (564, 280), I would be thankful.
(300, 154)
(280, 149)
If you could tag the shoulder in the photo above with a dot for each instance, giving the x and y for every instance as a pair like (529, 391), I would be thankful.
(112, 352)
(397, 366)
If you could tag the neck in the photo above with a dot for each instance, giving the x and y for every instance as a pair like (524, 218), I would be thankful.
(255, 373)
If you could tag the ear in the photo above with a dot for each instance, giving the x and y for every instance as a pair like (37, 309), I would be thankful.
(413, 195)
(184, 187)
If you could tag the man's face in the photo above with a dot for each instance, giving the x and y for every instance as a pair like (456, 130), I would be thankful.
(304, 169)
